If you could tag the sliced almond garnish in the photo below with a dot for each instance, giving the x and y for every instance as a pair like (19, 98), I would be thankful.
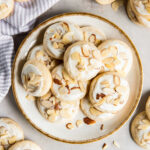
(81, 85)
(116, 80)
(110, 66)
(85, 52)
(92, 38)
(113, 50)
(50, 111)
(94, 111)
(116, 101)
(46, 96)
(120, 89)
(63, 90)
(89, 121)
(116, 144)
(108, 90)
(12, 140)
(101, 95)
(105, 52)
(104, 82)
(79, 123)
(56, 81)
(96, 54)
(100, 102)
(69, 126)
(143, 127)
(108, 60)
(55, 45)
(105, 146)
(65, 26)
(46, 104)
(76, 56)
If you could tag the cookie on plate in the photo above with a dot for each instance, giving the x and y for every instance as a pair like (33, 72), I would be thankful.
(36, 78)
(105, 2)
(147, 109)
(38, 53)
(82, 60)
(10, 132)
(92, 113)
(109, 92)
(55, 110)
(6, 7)
(25, 145)
(58, 36)
(116, 56)
(93, 35)
(64, 87)
(140, 130)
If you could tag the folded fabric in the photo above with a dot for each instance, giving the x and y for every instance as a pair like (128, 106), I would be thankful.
(21, 20)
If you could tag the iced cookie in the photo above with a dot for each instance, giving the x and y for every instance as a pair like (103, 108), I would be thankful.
(6, 7)
(140, 130)
(116, 56)
(54, 109)
(147, 109)
(92, 113)
(58, 36)
(38, 53)
(36, 78)
(10, 132)
(82, 61)
(105, 2)
(25, 145)
(109, 92)
(65, 88)
(93, 35)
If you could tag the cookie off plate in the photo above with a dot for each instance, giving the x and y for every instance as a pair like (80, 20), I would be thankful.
(85, 133)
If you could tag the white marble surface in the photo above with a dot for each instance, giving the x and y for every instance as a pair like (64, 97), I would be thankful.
(140, 37)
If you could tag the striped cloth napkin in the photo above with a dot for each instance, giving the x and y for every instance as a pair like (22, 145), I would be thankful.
(22, 20)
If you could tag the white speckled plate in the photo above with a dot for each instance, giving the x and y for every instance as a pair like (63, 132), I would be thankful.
(85, 133)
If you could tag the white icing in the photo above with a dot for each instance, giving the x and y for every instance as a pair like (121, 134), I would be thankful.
(90, 71)
(109, 107)
(75, 35)
(28, 68)
(85, 105)
(75, 94)
(122, 48)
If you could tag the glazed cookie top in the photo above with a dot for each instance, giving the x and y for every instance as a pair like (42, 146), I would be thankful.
(10, 132)
(142, 7)
(6, 6)
(59, 35)
(82, 61)
(116, 56)
(54, 109)
(38, 53)
(140, 130)
(25, 145)
(65, 88)
(36, 78)
(93, 35)
(92, 113)
(109, 92)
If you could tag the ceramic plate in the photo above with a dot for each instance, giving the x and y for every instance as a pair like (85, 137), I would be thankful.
(86, 133)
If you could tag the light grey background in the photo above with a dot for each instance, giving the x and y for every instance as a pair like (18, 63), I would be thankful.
(140, 37)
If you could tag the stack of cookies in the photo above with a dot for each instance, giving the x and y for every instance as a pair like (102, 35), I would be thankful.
(140, 127)
(12, 136)
(77, 66)
(139, 12)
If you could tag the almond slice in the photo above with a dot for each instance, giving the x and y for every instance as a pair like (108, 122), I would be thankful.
(46, 104)
(63, 90)
(116, 80)
(108, 60)
(12, 140)
(108, 90)
(57, 81)
(110, 66)
(113, 50)
(94, 111)
(143, 127)
(76, 56)
(85, 52)
(89, 121)
(105, 82)
(50, 111)
(46, 96)
(55, 45)
(100, 102)
(116, 101)
(81, 85)
(65, 26)
(52, 117)
(116, 144)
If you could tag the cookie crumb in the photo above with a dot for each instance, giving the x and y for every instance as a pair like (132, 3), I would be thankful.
(69, 126)
(105, 146)
(88, 121)
(102, 127)
(116, 144)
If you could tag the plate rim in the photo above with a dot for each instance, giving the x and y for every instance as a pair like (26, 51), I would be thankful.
(74, 141)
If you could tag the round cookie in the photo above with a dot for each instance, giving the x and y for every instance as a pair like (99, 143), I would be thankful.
(116, 56)
(25, 145)
(105, 2)
(93, 35)
(140, 130)
(55, 110)
(109, 92)
(38, 53)
(6, 7)
(147, 108)
(10, 132)
(82, 61)
(92, 113)
(58, 36)
(64, 87)
(36, 78)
